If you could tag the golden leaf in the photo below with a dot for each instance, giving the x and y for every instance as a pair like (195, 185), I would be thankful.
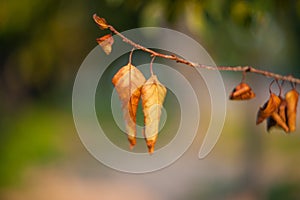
(100, 21)
(268, 109)
(292, 102)
(106, 43)
(128, 82)
(153, 95)
(242, 92)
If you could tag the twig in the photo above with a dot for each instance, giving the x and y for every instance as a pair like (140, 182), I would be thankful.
(251, 69)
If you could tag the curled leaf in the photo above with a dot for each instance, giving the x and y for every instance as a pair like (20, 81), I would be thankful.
(100, 21)
(279, 121)
(278, 118)
(106, 43)
(292, 102)
(128, 82)
(268, 109)
(282, 110)
(242, 92)
(153, 95)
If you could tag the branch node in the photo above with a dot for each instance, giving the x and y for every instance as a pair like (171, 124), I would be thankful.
(173, 57)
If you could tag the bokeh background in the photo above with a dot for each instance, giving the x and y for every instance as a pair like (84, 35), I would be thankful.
(43, 44)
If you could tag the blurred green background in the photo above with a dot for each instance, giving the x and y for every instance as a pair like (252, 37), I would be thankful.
(42, 46)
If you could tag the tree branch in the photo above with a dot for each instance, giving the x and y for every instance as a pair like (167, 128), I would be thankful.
(153, 53)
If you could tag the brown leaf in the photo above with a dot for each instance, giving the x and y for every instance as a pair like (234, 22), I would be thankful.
(282, 110)
(268, 109)
(279, 121)
(292, 102)
(100, 21)
(153, 95)
(106, 43)
(242, 92)
(128, 82)
(278, 118)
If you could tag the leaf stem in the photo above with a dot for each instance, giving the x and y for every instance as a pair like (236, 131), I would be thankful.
(130, 56)
(151, 66)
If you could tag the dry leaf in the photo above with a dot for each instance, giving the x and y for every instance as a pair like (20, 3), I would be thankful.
(278, 118)
(100, 21)
(279, 121)
(128, 82)
(282, 110)
(106, 43)
(242, 92)
(292, 102)
(268, 109)
(153, 95)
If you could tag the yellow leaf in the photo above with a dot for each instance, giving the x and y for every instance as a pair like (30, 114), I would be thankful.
(106, 43)
(292, 102)
(100, 21)
(153, 95)
(128, 82)
(242, 92)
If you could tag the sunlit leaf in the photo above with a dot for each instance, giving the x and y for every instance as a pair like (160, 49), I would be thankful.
(100, 21)
(128, 82)
(153, 95)
(106, 43)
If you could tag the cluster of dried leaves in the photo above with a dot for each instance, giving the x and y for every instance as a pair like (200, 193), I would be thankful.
(131, 85)
(280, 112)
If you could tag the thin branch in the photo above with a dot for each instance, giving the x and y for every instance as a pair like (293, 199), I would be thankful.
(251, 69)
